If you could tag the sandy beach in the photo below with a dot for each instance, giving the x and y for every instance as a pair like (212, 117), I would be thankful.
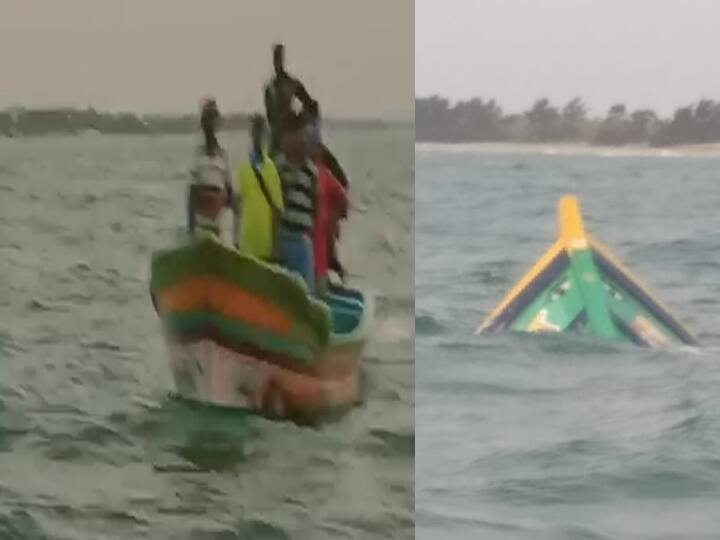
(569, 149)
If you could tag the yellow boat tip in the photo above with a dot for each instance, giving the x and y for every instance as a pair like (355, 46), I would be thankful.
(572, 229)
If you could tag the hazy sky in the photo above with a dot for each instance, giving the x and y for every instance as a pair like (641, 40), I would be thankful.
(163, 55)
(656, 53)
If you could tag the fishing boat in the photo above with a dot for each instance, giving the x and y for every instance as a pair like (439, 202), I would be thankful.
(579, 285)
(246, 334)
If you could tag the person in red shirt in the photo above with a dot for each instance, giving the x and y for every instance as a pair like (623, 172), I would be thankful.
(332, 206)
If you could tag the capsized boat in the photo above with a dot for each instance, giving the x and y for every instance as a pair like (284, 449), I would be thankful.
(579, 285)
(243, 333)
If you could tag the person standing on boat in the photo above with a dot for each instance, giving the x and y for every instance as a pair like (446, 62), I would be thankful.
(259, 201)
(312, 115)
(280, 94)
(322, 154)
(210, 189)
(332, 205)
(298, 177)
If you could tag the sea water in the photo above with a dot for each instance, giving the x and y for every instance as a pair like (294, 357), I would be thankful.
(92, 447)
(555, 437)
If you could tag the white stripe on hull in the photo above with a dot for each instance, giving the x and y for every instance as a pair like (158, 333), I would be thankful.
(207, 372)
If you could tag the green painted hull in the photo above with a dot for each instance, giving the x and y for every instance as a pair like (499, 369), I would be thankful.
(579, 286)
(205, 284)
(242, 333)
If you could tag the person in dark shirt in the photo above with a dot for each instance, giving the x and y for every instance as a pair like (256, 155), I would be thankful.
(280, 92)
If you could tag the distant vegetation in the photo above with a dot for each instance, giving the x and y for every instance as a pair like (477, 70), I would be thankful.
(476, 120)
(69, 121)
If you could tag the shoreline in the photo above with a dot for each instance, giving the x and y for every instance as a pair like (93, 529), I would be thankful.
(340, 126)
(572, 149)
(73, 122)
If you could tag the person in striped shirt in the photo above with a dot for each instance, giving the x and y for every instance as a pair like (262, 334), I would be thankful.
(210, 189)
(298, 177)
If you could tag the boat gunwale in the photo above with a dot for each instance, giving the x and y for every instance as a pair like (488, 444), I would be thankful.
(363, 327)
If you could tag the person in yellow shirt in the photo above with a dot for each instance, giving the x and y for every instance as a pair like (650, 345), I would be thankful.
(259, 198)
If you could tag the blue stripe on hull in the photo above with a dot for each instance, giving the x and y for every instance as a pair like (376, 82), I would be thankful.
(606, 267)
(551, 272)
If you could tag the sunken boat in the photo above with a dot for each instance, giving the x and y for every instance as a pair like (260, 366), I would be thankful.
(578, 285)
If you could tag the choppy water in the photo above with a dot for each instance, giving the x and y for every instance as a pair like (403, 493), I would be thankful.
(553, 437)
(90, 445)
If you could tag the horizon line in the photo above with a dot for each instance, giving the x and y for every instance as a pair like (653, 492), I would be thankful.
(390, 119)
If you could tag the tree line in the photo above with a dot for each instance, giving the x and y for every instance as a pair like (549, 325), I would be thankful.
(478, 120)
(73, 121)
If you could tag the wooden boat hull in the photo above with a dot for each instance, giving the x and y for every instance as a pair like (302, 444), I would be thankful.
(208, 372)
(579, 285)
(245, 334)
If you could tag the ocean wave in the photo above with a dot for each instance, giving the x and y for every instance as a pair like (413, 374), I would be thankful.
(20, 525)
(392, 444)
(92, 445)
(427, 325)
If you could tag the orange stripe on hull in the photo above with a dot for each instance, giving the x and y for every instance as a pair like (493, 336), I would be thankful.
(205, 293)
